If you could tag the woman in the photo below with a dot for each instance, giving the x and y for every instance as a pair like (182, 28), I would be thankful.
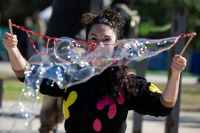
(85, 105)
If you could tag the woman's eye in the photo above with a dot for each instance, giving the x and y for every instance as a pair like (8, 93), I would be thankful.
(93, 39)
(107, 39)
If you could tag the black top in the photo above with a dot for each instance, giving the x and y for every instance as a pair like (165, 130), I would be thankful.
(85, 114)
(66, 18)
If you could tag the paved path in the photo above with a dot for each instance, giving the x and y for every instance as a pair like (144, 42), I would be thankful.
(5, 67)
(188, 122)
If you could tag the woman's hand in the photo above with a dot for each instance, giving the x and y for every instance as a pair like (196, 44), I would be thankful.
(171, 91)
(18, 63)
(8, 42)
(178, 64)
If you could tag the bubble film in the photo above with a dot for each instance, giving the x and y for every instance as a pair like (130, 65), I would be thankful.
(17, 119)
(71, 62)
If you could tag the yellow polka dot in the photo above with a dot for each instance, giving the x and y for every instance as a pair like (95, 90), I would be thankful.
(70, 100)
(65, 90)
(153, 88)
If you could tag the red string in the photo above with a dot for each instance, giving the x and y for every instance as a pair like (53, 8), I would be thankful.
(91, 44)
(181, 35)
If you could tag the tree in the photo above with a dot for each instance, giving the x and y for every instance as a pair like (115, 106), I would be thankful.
(155, 10)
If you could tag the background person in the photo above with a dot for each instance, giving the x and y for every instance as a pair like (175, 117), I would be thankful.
(65, 21)
(24, 44)
(39, 27)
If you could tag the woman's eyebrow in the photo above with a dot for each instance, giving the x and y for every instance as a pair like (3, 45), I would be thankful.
(107, 36)
(93, 34)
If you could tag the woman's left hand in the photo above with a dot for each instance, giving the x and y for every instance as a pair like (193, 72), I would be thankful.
(178, 64)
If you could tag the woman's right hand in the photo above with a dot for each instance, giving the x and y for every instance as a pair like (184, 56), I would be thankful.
(8, 42)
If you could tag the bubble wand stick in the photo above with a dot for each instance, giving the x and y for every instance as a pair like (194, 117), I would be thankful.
(187, 43)
(10, 27)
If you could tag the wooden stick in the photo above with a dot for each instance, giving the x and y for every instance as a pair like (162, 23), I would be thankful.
(10, 27)
(187, 44)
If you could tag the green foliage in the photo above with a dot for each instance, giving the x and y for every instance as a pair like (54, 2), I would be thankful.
(159, 12)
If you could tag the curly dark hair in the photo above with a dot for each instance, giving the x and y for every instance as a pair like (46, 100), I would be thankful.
(111, 78)
(109, 17)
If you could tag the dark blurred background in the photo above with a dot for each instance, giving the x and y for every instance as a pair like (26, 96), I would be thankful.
(17, 10)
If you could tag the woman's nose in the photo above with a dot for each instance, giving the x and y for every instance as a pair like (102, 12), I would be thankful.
(101, 44)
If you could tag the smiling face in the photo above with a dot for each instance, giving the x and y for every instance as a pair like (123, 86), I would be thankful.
(100, 34)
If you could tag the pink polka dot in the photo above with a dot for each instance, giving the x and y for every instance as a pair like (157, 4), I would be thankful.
(97, 125)
(121, 100)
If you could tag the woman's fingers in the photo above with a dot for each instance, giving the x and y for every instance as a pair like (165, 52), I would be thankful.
(178, 64)
(174, 68)
(8, 42)
(180, 58)
(14, 37)
(7, 35)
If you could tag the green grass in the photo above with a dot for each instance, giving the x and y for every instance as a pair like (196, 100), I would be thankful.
(14, 95)
(190, 94)
(11, 94)
(12, 87)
